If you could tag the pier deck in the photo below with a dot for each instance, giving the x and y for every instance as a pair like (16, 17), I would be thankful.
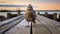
(43, 25)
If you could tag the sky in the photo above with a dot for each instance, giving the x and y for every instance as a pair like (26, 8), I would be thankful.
(37, 4)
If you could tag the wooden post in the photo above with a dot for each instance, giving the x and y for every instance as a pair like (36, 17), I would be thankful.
(38, 13)
(18, 12)
(55, 16)
(2, 18)
(46, 14)
(8, 15)
(59, 15)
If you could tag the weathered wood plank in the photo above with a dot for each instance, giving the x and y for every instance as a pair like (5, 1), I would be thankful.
(20, 29)
(48, 24)
(43, 25)
(5, 28)
(39, 28)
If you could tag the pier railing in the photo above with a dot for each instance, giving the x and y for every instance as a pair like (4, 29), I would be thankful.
(8, 24)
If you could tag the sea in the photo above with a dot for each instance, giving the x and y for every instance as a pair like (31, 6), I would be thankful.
(43, 11)
(40, 11)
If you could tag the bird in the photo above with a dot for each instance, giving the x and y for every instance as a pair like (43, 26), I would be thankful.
(30, 14)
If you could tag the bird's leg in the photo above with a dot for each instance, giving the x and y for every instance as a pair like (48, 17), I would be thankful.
(27, 25)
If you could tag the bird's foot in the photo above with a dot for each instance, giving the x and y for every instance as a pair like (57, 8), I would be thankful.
(27, 26)
(34, 25)
(34, 22)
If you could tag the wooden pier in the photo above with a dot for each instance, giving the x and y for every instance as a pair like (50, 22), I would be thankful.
(43, 25)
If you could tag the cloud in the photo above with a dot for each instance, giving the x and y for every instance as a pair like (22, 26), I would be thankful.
(11, 5)
(37, 4)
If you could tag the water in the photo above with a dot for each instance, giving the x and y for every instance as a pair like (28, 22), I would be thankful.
(40, 11)
(5, 13)
(43, 11)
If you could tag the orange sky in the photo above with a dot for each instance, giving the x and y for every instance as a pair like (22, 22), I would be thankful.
(38, 5)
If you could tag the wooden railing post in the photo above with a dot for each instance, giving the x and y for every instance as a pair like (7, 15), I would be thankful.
(46, 14)
(18, 12)
(55, 16)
